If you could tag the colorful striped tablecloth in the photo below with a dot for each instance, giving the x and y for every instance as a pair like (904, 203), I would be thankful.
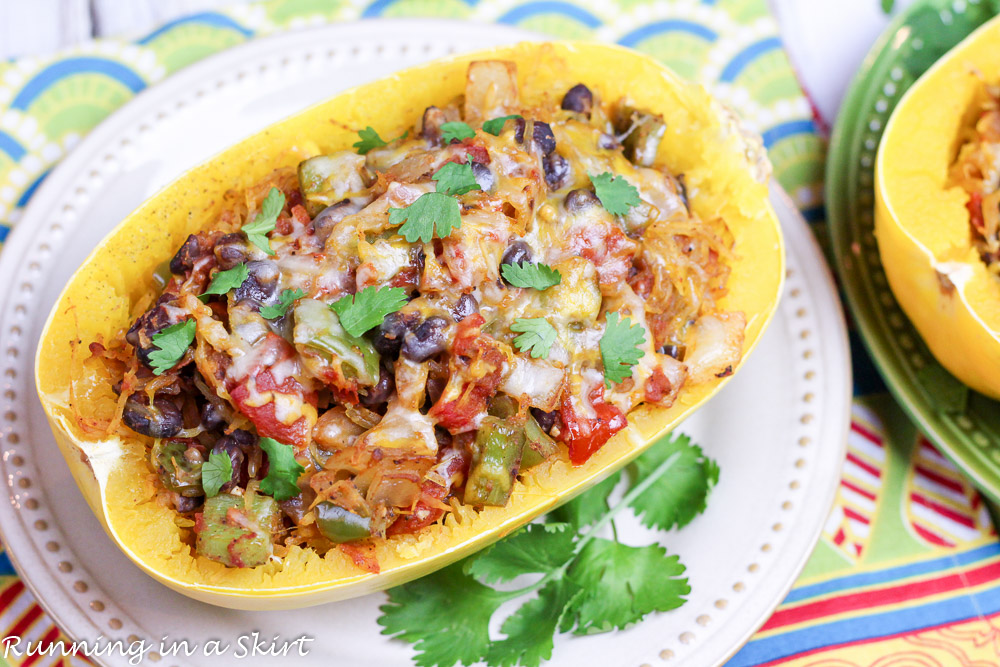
(907, 571)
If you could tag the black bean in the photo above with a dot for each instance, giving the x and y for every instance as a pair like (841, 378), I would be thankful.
(331, 216)
(382, 390)
(232, 446)
(675, 351)
(185, 504)
(466, 305)
(542, 135)
(212, 417)
(389, 336)
(483, 176)
(162, 420)
(580, 200)
(517, 252)
(433, 119)
(140, 334)
(188, 254)
(231, 250)
(556, 169)
(261, 283)
(519, 130)
(546, 420)
(426, 340)
(579, 99)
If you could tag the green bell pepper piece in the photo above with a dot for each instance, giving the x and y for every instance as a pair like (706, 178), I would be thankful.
(496, 458)
(340, 525)
(234, 546)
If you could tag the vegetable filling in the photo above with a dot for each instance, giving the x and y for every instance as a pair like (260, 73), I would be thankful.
(367, 341)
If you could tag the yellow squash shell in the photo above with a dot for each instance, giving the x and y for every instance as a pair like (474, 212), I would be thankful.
(726, 174)
(922, 224)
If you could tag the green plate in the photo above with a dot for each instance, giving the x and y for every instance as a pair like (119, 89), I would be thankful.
(963, 424)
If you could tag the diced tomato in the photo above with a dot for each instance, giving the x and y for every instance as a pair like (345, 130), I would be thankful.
(426, 512)
(475, 372)
(975, 207)
(657, 386)
(585, 435)
(607, 247)
(477, 151)
(264, 417)
(363, 555)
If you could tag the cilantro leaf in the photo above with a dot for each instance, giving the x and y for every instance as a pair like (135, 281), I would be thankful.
(692, 477)
(287, 298)
(171, 344)
(494, 126)
(455, 179)
(620, 348)
(589, 584)
(265, 220)
(620, 584)
(445, 615)
(369, 140)
(525, 274)
(418, 220)
(589, 506)
(365, 310)
(538, 547)
(282, 470)
(456, 131)
(537, 336)
(529, 630)
(616, 194)
(223, 281)
(216, 472)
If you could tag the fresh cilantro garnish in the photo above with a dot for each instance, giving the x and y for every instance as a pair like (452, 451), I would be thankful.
(616, 194)
(455, 179)
(362, 311)
(589, 584)
(620, 348)
(228, 280)
(674, 505)
(537, 336)
(265, 221)
(418, 220)
(171, 343)
(495, 125)
(525, 274)
(287, 298)
(216, 472)
(370, 140)
(282, 470)
(456, 131)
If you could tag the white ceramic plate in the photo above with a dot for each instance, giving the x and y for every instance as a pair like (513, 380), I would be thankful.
(778, 430)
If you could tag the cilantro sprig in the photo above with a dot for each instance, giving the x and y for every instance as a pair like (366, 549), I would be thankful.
(588, 583)
(432, 212)
(282, 470)
(369, 140)
(223, 281)
(455, 179)
(171, 343)
(266, 220)
(362, 311)
(494, 126)
(216, 472)
(616, 194)
(620, 348)
(287, 298)
(537, 336)
(456, 131)
(538, 276)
